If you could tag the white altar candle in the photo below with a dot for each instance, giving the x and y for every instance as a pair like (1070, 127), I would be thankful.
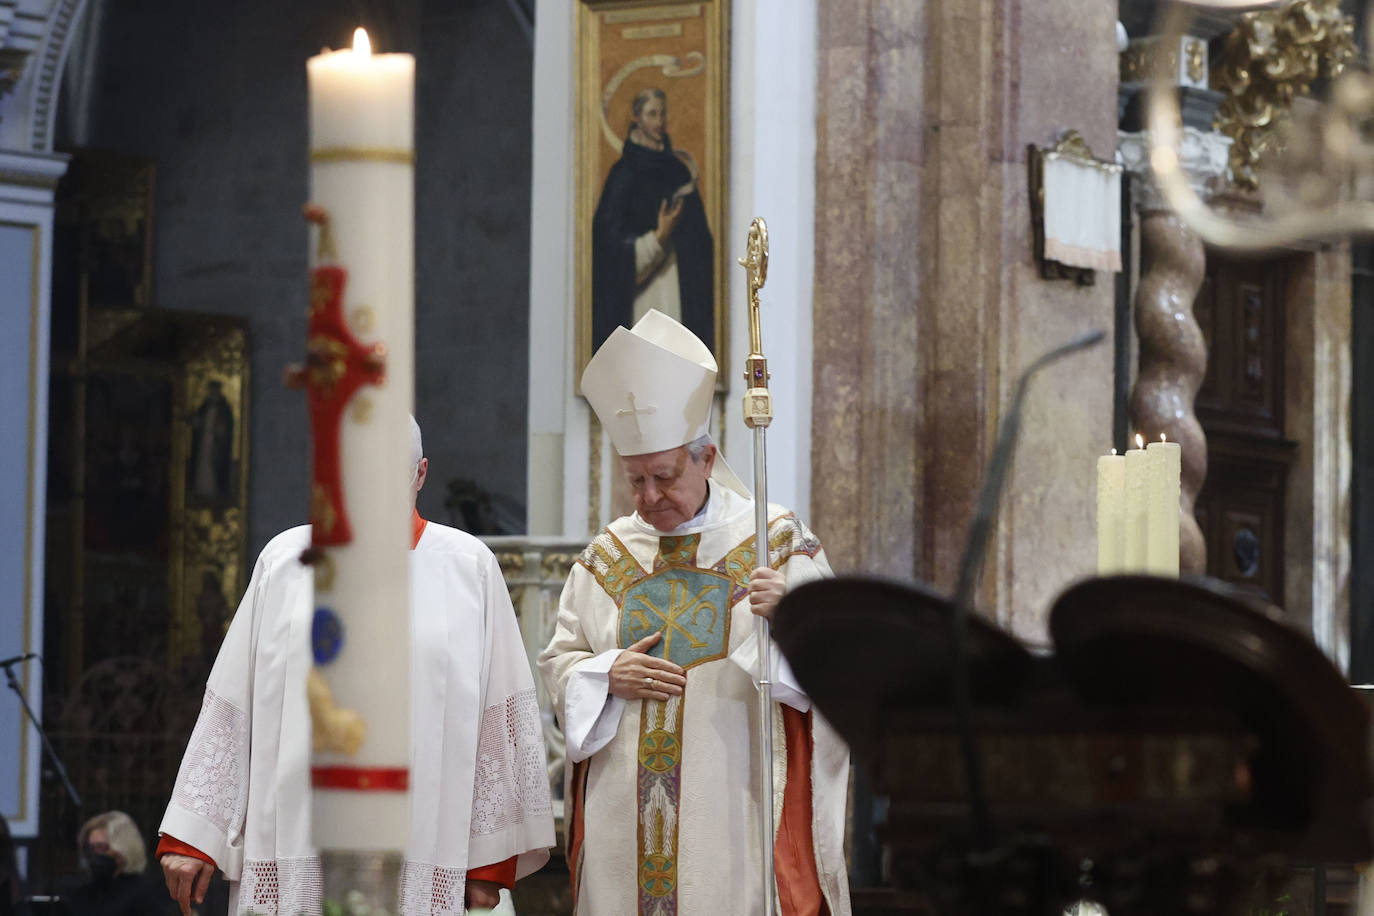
(361, 174)
(1166, 466)
(1111, 513)
(1137, 487)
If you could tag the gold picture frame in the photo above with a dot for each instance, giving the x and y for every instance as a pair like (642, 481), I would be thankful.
(652, 132)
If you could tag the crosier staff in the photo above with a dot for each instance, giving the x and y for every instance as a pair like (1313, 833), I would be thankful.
(758, 413)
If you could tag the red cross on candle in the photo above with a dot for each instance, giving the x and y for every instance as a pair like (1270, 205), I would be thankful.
(337, 364)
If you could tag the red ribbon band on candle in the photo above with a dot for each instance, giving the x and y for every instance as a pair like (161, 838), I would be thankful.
(361, 779)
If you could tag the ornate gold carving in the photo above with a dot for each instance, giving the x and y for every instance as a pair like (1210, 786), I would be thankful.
(1181, 60)
(1270, 58)
(1137, 62)
(103, 325)
(557, 565)
(1196, 51)
(512, 562)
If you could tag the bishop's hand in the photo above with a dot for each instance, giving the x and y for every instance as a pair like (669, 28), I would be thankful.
(637, 676)
(766, 588)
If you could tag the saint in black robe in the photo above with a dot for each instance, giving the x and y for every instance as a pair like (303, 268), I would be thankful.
(638, 183)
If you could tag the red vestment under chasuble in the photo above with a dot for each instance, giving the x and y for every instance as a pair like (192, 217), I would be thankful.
(663, 797)
(478, 772)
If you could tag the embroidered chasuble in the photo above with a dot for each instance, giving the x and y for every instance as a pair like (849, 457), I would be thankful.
(663, 796)
(479, 787)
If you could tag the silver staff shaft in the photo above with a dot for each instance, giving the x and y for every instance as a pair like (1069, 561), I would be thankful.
(758, 413)
(765, 638)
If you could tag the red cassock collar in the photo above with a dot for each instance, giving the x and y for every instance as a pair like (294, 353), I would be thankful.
(417, 528)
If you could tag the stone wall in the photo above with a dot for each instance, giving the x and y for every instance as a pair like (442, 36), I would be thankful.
(929, 302)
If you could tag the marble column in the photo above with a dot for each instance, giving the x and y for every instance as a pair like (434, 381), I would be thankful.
(1173, 360)
(928, 302)
(1173, 353)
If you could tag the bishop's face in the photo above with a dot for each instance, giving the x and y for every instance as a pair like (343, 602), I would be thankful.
(669, 487)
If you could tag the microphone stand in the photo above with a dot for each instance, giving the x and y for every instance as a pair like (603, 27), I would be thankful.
(961, 606)
(53, 759)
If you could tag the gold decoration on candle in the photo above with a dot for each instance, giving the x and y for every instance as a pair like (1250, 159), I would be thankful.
(362, 409)
(324, 572)
(363, 319)
(362, 154)
(324, 251)
(334, 729)
(322, 510)
(326, 361)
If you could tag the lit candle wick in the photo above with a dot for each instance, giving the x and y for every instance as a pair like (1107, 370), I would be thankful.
(1139, 441)
(1113, 451)
(361, 45)
(1163, 437)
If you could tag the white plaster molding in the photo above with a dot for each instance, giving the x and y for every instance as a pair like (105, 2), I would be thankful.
(26, 114)
(27, 187)
(30, 177)
(1204, 155)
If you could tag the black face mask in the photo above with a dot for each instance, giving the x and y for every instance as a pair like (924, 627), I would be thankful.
(102, 867)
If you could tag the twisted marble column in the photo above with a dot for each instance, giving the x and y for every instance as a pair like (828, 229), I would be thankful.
(1173, 360)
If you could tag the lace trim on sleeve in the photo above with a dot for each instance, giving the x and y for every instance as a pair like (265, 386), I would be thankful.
(213, 782)
(281, 887)
(429, 890)
(512, 781)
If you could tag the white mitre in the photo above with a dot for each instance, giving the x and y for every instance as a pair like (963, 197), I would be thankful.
(652, 386)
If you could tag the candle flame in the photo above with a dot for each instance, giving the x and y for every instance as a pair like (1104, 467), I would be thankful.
(1113, 451)
(361, 44)
(1139, 441)
(1163, 437)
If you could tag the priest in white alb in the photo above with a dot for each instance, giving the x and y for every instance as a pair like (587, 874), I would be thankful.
(480, 816)
(652, 668)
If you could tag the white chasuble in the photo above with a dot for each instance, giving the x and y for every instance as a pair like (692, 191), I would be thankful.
(663, 798)
(479, 787)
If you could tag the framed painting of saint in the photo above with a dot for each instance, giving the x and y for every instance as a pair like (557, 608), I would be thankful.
(652, 190)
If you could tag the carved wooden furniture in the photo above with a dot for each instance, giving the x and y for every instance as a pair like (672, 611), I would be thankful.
(1241, 309)
(1180, 735)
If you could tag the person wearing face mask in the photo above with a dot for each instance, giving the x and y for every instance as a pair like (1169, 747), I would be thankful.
(113, 857)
